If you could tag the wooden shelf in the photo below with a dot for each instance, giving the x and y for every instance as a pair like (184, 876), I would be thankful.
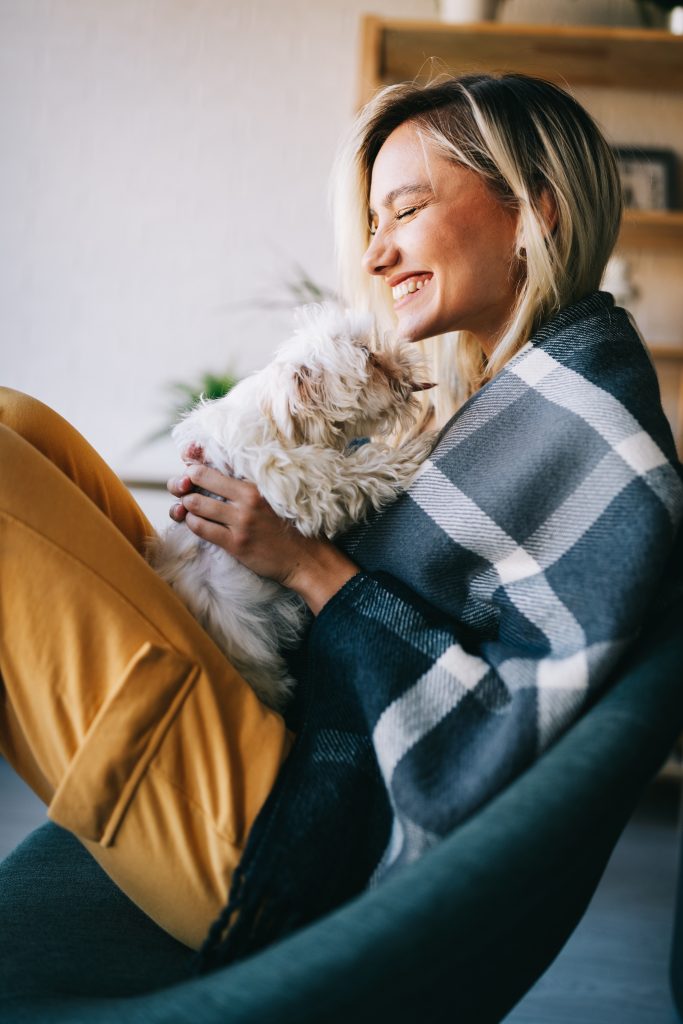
(396, 50)
(662, 229)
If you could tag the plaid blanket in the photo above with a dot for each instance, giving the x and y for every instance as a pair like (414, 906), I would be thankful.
(495, 597)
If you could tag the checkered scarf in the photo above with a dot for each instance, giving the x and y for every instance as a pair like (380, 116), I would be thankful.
(495, 597)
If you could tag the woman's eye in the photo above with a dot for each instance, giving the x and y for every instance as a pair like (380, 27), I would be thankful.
(372, 227)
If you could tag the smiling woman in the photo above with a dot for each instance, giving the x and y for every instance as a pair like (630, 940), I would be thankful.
(454, 635)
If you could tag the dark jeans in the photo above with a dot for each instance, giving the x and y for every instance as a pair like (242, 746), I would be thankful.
(65, 928)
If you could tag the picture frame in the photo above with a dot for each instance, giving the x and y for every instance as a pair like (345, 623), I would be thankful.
(648, 177)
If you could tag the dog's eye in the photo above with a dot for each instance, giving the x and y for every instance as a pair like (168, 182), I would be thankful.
(377, 362)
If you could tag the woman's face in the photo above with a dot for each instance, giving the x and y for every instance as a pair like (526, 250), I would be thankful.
(442, 242)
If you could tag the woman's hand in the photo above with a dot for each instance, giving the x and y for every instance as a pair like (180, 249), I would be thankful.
(245, 526)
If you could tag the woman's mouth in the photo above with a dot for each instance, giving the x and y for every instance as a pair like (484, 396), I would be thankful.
(405, 290)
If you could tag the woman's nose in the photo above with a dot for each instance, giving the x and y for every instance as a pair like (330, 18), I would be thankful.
(380, 255)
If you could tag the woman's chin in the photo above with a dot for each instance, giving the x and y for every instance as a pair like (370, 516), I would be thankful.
(413, 328)
(419, 321)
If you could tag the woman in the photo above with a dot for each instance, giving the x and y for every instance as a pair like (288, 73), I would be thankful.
(455, 634)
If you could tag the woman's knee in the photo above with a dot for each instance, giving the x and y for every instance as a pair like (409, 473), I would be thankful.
(27, 416)
(47, 432)
(55, 438)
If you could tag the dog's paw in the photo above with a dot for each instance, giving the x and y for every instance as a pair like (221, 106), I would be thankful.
(192, 452)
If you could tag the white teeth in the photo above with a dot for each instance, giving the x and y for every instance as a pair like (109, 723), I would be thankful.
(408, 287)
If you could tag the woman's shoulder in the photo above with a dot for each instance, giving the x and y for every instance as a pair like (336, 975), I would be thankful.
(595, 338)
(601, 364)
(583, 386)
(589, 354)
(591, 344)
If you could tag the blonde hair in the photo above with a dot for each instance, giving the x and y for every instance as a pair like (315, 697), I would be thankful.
(533, 144)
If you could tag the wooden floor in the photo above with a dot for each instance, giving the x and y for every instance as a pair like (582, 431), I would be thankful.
(614, 968)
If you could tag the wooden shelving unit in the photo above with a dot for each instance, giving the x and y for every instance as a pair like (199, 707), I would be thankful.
(397, 50)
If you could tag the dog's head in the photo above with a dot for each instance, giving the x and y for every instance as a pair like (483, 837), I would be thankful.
(335, 380)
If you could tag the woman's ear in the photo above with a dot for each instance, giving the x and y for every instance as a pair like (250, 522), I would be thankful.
(548, 209)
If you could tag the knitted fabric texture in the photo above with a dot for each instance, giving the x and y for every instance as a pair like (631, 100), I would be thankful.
(495, 598)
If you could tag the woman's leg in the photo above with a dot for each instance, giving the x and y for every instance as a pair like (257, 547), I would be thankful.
(68, 450)
(117, 707)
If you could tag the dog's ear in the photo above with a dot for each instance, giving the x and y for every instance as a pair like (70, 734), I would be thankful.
(310, 389)
(310, 406)
(295, 402)
(402, 375)
(275, 408)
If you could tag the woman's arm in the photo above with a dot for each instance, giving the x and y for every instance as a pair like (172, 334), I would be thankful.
(245, 526)
(452, 721)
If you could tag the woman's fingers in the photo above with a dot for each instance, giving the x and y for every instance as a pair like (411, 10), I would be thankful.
(206, 529)
(208, 508)
(198, 475)
(179, 485)
(240, 499)
(218, 483)
(177, 512)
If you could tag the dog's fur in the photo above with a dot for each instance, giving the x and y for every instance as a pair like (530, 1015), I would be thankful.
(288, 430)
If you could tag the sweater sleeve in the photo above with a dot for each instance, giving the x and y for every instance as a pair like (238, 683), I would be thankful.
(454, 719)
(498, 593)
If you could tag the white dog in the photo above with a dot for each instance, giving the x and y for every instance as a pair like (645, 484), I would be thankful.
(287, 429)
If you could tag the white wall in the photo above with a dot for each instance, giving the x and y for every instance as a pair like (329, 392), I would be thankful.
(164, 163)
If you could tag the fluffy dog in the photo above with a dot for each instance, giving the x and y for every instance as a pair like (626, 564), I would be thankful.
(288, 429)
